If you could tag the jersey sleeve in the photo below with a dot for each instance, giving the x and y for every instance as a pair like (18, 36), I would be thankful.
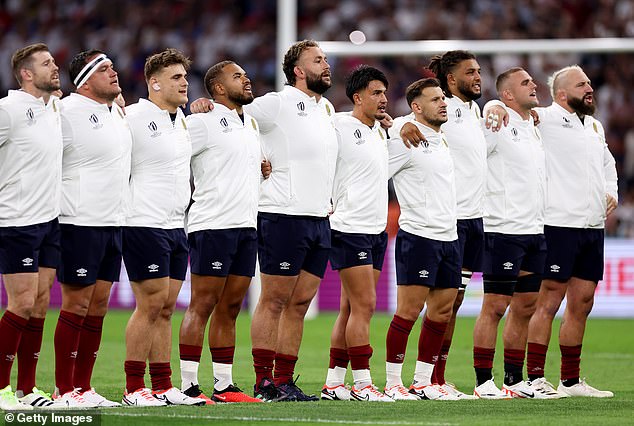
(265, 110)
(609, 166)
(397, 126)
(197, 132)
(399, 155)
(5, 126)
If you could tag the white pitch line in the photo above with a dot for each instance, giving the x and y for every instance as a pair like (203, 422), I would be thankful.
(277, 419)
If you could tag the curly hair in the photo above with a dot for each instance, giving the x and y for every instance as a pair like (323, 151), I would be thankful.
(292, 56)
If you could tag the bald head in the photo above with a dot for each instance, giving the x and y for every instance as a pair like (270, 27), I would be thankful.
(570, 88)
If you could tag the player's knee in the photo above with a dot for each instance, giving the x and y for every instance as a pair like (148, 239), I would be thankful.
(202, 307)
(230, 310)
(23, 307)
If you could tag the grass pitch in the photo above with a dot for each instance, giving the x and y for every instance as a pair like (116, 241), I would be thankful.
(608, 361)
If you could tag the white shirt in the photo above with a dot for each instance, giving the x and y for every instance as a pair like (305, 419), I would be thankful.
(516, 179)
(360, 193)
(30, 159)
(425, 186)
(298, 138)
(159, 177)
(468, 149)
(580, 170)
(96, 163)
(226, 167)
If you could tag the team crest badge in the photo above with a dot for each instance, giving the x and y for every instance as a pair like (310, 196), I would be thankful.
(328, 109)
(255, 126)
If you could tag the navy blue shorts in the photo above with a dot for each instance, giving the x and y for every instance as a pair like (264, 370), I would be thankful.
(507, 254)
(26, 248)
(222, 252)
(471, 238)
(423, 261)
(89, 253)
(288, 244)
(574, 252)
(350, 250)
(151, 253)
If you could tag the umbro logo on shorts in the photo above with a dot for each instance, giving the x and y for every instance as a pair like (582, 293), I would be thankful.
(153, 268)
(285, 265)
(81, 272)
(423, 274)
(507, 265)
(362, 255)
(216, 265)
(555, 268)
(27, 261)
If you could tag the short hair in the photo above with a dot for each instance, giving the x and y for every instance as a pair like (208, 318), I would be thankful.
(23, 58)
(415, 89)
(158, 61)
(442, 65)
(212, 76)
(502, 78)
(361, 77)
(292, 56)
(80, 60)
(554, 81)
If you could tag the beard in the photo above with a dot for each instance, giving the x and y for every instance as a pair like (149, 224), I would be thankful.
(317, 84)
(436, 122)
(580, 107)
(240, 98)
(467, 92)
(47, 85)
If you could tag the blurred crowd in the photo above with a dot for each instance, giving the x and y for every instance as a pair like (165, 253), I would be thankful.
(245, 31)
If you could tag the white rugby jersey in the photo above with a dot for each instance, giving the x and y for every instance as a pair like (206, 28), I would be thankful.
(580, 170)
(30, 159)
(298, 138)
(425, 186)
(360, 194)
(468, 149)
(96, 163)
(226, 167)
(516, 179)
(159, 176)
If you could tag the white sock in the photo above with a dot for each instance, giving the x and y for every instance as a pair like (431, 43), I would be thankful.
(361, 378)
(393, 374)
(222, 375)
(189, 374)
(336, 376)
(422, 373)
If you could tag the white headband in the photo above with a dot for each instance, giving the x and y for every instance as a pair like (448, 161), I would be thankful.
(89, 70)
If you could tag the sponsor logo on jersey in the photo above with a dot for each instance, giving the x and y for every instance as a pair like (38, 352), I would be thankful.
(567, 123)
(225, 125)
(507, 265)
(423, 274)
(27, 261)
(153, 268)
(301, 109)
(95, 122)
(216, 265)
(425, 145)
(555, 268)
(81, 272)
(357, 135)
(154, 129)
(362, 255)
(515, 134)
(30, 117)
(285, 266)
(458, 116)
